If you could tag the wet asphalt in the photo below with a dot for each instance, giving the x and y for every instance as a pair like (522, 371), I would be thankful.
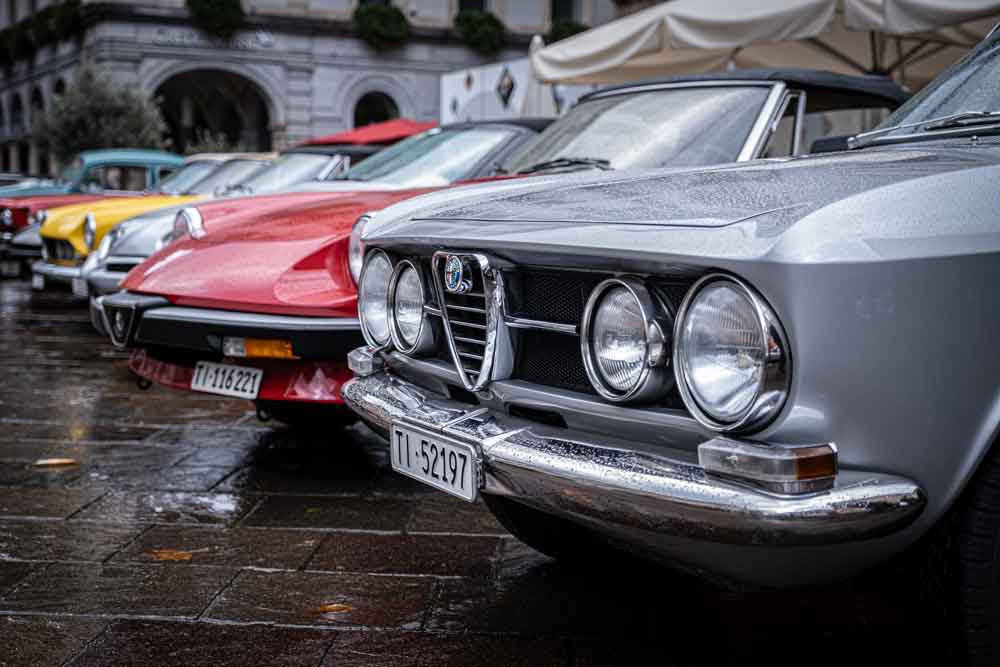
(179, 530)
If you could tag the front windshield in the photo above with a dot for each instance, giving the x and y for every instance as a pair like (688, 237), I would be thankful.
(679, 126)
(288, 170)
(186, 176)
(228, 174)
(435, 157)
(971, 84)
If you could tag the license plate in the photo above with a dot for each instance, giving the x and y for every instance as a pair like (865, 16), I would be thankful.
(436, 460)
(80, 288)
(227, 380)
(37, 281)
(10, 269)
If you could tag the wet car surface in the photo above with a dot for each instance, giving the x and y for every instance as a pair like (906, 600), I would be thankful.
(165, 527)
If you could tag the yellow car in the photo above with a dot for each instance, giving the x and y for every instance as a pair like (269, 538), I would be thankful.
(70, 233)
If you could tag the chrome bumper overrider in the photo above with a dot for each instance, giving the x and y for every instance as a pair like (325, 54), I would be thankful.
(612, 486)
(56, 273)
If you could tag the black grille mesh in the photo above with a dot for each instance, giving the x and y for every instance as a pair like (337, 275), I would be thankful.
(551, 359)
(551, 296)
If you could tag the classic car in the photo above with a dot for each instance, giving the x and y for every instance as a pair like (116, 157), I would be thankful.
(17, 213)
(70, 233)
(206, 269)
(115, 169)
(737, 370)
(284, 328)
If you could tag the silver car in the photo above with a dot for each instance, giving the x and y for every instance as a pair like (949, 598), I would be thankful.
(781, 372)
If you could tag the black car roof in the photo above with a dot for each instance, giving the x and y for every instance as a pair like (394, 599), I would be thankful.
(353, 150)
(826, 84)
(533, 124)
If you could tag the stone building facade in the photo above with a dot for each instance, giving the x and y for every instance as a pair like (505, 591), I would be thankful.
(297, 71)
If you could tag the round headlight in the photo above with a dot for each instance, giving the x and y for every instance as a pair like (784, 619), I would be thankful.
(355, 248)
(412, 332)
(373, 298)
(7, 218)
(622, 341)
(89, 230)
(730, 355)
(38, 217)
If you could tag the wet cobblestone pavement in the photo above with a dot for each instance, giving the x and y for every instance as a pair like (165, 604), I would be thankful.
(184, 532)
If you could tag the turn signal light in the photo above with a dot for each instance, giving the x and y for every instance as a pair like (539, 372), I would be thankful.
(776, 468)
(260, 348)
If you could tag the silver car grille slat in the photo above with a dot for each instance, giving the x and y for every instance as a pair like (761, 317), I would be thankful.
(470, 316)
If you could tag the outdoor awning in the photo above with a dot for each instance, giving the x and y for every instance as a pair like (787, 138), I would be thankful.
(911, 40)
(388, 132)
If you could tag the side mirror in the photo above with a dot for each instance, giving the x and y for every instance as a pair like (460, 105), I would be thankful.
(830, 144)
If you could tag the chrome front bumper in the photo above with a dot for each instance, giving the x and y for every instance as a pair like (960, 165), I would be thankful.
(56, 273)
(102, 281)
(666, 500)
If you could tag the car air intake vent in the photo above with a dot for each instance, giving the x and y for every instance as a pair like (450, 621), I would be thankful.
(465, 286)
(59, 249)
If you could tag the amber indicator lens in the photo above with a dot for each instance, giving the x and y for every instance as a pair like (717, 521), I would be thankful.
(259, 348)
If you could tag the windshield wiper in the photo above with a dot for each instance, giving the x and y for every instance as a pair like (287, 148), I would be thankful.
(963, 119)
(951, 121)
(561, 162)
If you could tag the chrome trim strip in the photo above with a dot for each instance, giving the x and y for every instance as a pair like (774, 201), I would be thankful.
(541, 325)
(609, 484)
(762, 128)
(237, 318)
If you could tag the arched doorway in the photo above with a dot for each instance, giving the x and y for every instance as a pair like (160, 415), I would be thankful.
(214, 110)
(59, 88)
(374, 107)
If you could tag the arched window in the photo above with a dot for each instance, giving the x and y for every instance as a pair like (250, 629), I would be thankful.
(374, 107)
(37, 101)
(16, 114)
(60, 87)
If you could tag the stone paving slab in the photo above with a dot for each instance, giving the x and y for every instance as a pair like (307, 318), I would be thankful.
(204, 645)
(241, 547)
(321, 599)
(44, 640)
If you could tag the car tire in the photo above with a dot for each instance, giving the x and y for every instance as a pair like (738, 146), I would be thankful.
(311, 416)
(557, 538)
(975, 550)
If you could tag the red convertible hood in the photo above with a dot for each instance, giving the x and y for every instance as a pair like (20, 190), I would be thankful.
(284, 254)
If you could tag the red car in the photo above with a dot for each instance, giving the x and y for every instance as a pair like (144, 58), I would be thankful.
(256, 298)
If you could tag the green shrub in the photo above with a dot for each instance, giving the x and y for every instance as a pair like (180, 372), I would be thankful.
(219, 18)
(564, 29)
(381, 27)
(96, 113)
(481, 31)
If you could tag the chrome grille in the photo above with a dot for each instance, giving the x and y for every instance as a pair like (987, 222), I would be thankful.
(59, 249)
(471, 317)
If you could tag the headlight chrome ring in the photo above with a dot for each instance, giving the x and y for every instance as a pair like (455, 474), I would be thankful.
(424, 341)
(654, 380)
(773, 377)
(373, 340)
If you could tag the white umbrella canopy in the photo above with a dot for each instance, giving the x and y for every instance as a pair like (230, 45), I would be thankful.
(911, 40)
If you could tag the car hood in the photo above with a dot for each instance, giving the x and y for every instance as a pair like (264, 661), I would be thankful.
(42, 202)
(66, 222)
(283, 254)
(740, 212)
